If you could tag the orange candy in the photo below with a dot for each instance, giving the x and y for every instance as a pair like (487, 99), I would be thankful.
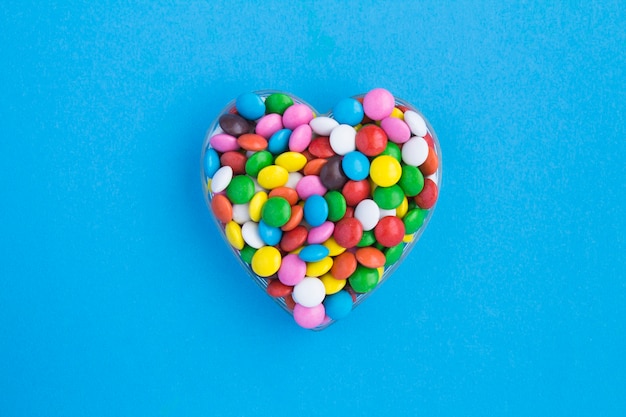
(287, 193)
(314, 166)
(344, 265)
(222, 208)
(252, 142)
(431, 163)
(297, 213)
(370, 257)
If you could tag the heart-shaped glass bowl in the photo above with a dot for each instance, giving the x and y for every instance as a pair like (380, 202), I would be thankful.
(286, 302)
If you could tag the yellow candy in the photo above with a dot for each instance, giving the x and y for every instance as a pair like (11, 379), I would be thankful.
(333, 247)
(407, 238)
(332, 285)
(385, 170)
(256, 205)
(266, 261)
(397, 113)
(291, 161)
(319, 268)
(403, 208)
(380, 271)
(273, 176)
(233, 235)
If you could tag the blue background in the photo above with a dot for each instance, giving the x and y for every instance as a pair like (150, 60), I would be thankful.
(116, 297)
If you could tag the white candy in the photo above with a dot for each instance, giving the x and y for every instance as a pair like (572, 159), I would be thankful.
(250, 233)
(416, 123)
(343, 139)
(221, 179)
(385, 213)
(293, 179)
(323, 125)
(241, 213)
(368, 213)
(309, 292)
(415, 151)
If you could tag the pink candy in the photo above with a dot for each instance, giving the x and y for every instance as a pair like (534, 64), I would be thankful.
(224, 143)
(292, 270)
(378, 104)
(396, 129)
(296, 115)
(309, 317)
(300, 138)
(269, 124)
(321, 234)
(310, 185)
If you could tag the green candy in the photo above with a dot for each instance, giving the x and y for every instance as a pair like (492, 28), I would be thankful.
(336, 205)
(393, 254)
(393, 150)
(257, 162)
(368, 239)
(388, 198)
(411, 181)
(246, 253)
(240, 190)
(276, 212)
(414, 219)
(277, 103)
(363, 279)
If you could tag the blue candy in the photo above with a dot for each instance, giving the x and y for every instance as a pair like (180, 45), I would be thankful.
(315, 210)
(355, 165)
(313, 253)
(348, 111)
(269, 234)
(279, 141)
(211, 162)
(339, 305)
(250, 106)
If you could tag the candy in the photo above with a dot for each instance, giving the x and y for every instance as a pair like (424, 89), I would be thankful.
(309, 292)
(348, 111)
(339, 305)
(233, 124)
(319, 208)
(278, 103)
(250, 106)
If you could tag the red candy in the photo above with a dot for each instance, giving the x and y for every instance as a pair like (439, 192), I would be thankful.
(348, 232)
(293, 239)
(320, 147)
(389, 231)
(356, 191)
(428, 196)
(275, 288)
(371, 140)
(235, 160)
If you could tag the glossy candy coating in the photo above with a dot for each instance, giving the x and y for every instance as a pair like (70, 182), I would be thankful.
(320, 208)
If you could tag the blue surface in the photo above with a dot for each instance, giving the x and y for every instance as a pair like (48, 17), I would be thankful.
(116, 298)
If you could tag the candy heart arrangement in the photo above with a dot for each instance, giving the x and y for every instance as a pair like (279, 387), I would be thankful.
(320, 209)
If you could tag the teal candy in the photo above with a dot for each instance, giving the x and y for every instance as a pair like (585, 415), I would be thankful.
(355, 165)
(211, 162)
(250, 106)
(279, 141)
(338, 305)
(348, 111)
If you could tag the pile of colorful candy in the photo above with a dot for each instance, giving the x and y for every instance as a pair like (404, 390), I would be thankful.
(320, 208)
